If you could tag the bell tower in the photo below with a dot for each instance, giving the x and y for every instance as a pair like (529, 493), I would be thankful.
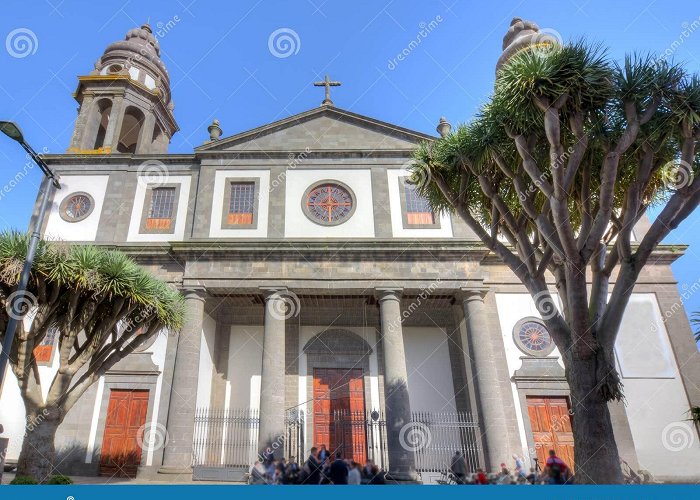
(125, 102)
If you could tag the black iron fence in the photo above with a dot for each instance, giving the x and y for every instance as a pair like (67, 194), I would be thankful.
(436, 436)
(225, 438)
(229, 438)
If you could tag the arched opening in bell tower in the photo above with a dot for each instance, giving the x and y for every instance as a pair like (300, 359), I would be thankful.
(103, 111)
(131, 130)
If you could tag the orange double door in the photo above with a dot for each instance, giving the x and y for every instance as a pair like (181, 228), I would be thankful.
(339, 412)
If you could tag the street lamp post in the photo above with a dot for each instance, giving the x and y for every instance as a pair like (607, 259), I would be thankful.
(11, 130)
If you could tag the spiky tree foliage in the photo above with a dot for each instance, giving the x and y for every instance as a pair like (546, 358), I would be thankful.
(552, 175)
(103, 306)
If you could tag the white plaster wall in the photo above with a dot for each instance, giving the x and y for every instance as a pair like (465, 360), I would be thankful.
(12, 412)
(657, 406)
(245, 367)
(360, 225)
(180, 219)
(397, 229)
(86, 229)
(430, 384)
(512, 307)
(206, 362)
(218, 202)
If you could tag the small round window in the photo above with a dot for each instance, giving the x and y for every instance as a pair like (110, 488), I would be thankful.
(532, 337)
(329, 203)
(76, 207)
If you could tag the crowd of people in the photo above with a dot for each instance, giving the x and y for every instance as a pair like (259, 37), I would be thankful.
(324, 467)
(555, 472)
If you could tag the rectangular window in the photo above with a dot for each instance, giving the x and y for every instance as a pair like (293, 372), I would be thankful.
(44, 351)
(417, 208)
(161, 209)
(241, 205)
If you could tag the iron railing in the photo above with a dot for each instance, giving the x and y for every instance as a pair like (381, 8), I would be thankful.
(225, 438)
(229, 438)
(438, 435)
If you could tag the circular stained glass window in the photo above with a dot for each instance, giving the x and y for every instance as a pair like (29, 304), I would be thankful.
(76, 207)
(532, 337)
(329, 203)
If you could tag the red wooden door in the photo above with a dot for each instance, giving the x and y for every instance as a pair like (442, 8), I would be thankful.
(126, 415)
(339, 412)
(551, 428)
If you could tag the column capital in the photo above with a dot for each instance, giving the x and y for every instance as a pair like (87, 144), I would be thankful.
(277, 292)
(195, 293)
(467, 294)
(393, 293)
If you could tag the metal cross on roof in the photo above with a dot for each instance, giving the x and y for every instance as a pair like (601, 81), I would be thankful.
(328, 84)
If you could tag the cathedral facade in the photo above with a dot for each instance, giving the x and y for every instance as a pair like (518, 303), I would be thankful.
(326, 304)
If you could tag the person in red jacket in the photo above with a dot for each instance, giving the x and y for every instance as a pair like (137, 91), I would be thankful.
(556, 469)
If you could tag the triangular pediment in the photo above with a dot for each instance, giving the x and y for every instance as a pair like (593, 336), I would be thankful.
(324, 128)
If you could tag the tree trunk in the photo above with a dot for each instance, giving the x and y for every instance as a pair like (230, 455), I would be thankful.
(595, 450)
(38, 449)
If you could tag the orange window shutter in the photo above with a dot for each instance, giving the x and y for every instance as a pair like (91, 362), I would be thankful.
(42, 353)
(420, 218)
(240, 218)
(152, 223)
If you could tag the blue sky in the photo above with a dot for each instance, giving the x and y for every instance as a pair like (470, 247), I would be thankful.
(221, 65)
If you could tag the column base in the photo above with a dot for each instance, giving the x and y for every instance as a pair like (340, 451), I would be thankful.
(402, 478)
(175, 470)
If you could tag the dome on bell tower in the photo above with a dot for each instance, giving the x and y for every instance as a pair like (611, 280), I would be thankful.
(125, 102)
(139, 56)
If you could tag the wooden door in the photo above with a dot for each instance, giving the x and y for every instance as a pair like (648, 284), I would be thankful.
(339, 412)
(551, 428)
(126, 415)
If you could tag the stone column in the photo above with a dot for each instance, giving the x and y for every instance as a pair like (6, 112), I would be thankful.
(272, 377)
(114, 127)
(402, 466)
(491, 397)
(177, 456)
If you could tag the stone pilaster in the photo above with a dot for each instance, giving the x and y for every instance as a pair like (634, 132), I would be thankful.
(177, 456)
(491, 396)
(402, 465)
(271, 434)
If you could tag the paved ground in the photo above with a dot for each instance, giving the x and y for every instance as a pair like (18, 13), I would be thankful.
(9, 476)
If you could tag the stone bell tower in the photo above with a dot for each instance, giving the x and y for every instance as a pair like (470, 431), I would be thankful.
(125, 102)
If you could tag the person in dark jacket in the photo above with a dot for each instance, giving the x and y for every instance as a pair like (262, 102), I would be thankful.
(313, 469)
(339, 471)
